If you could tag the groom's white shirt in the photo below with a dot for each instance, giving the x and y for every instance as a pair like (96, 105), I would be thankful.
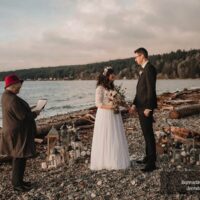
(144, 64)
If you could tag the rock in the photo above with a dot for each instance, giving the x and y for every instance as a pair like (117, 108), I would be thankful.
(179, 167)
(70, 197)
(85, 148)
(83, 153)
(93, 195)
(62, 184)
(99, 183)
(133, 182)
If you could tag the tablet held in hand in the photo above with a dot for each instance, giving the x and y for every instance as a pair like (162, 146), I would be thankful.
(40, 105)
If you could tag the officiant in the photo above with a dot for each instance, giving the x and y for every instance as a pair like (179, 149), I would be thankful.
(19, 129)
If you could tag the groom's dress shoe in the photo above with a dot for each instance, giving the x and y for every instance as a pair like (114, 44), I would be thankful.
(141, 162)
(144, 161)
(20, 188)
(26, 184)
(149, 168)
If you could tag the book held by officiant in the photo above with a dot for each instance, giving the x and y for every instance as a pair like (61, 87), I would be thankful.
(40, 105)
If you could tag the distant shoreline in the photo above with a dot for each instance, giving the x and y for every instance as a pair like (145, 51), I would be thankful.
(116, 79)
(172, 65)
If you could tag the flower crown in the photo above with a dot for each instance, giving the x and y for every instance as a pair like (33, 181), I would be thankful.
(106, 70)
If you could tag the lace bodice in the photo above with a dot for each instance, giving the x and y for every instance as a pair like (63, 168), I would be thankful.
(102, 96)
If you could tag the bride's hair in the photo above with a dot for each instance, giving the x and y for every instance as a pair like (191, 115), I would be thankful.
(103, 78)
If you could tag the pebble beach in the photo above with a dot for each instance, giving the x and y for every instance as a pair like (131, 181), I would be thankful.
(79, 182)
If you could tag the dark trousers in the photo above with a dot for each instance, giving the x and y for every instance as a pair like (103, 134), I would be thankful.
(146, 124)
(18, 169)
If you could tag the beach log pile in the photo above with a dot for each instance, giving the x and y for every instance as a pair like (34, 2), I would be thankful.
(81, 120)
(182, 134)
(184, 111)
(179, 104)
(174, 134)
(170, 101)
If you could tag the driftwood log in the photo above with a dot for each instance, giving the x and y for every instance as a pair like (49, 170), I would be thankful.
(179, 134)
(181, 101)
(81, 119)
(182, 134)
(185, 97)
(81, 123)
(185, 92)
(184, 111)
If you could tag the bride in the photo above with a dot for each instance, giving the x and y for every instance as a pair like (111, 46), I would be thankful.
(109, 145)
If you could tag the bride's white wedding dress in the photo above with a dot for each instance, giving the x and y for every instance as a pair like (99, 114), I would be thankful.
(109, 144)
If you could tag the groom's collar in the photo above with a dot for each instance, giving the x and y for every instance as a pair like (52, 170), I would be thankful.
(144, 64)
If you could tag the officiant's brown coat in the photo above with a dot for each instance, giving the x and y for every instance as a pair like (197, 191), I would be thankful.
(19, 128)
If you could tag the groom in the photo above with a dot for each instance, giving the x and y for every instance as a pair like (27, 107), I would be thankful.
(145, 102)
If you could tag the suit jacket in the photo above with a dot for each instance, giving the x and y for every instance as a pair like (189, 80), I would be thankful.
(19, 128)
(146, 89)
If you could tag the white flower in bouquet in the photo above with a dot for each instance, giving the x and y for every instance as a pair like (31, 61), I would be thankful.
(117, 97)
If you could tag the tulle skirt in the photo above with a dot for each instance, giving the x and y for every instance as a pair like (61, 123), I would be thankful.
(109, 144)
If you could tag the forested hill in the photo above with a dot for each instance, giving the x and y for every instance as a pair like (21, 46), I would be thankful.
(179, 64)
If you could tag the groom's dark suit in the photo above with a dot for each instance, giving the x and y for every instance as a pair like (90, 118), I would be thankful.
(146, 99)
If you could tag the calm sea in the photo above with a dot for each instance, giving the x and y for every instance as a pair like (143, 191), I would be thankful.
(67, 96)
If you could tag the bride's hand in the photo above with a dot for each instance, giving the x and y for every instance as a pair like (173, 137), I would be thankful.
(132, 109)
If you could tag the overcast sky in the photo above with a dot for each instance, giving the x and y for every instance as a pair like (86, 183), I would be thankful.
(36, 33)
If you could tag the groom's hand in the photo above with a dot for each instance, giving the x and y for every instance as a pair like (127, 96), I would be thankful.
(132, 109)
(147, 112)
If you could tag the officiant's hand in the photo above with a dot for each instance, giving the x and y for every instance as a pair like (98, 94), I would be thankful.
(37, 112)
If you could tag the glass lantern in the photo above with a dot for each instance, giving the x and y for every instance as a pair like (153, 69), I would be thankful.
(52, 139)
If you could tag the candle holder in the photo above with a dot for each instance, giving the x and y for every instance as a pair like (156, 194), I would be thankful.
(198, 157)
(77, 152)
(54, 158)
(52, 139)
(177, 156)
(193, 152)
(63, 135)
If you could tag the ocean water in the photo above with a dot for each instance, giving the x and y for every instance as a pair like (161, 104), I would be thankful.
(68, 96)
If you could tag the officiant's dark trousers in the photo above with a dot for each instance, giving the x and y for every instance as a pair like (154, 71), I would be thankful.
(146, 124)
(18, 169)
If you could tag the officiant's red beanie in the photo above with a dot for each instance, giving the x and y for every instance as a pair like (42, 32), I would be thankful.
(12, 79)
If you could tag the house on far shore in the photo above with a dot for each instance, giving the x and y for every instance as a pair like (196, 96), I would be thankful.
(66, 78)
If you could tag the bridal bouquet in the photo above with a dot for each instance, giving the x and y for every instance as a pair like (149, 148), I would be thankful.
(117, 97)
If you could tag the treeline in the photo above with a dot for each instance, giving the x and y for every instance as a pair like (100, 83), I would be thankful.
(179, 64)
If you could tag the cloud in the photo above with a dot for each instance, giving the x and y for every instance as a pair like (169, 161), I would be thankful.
(84, 31)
